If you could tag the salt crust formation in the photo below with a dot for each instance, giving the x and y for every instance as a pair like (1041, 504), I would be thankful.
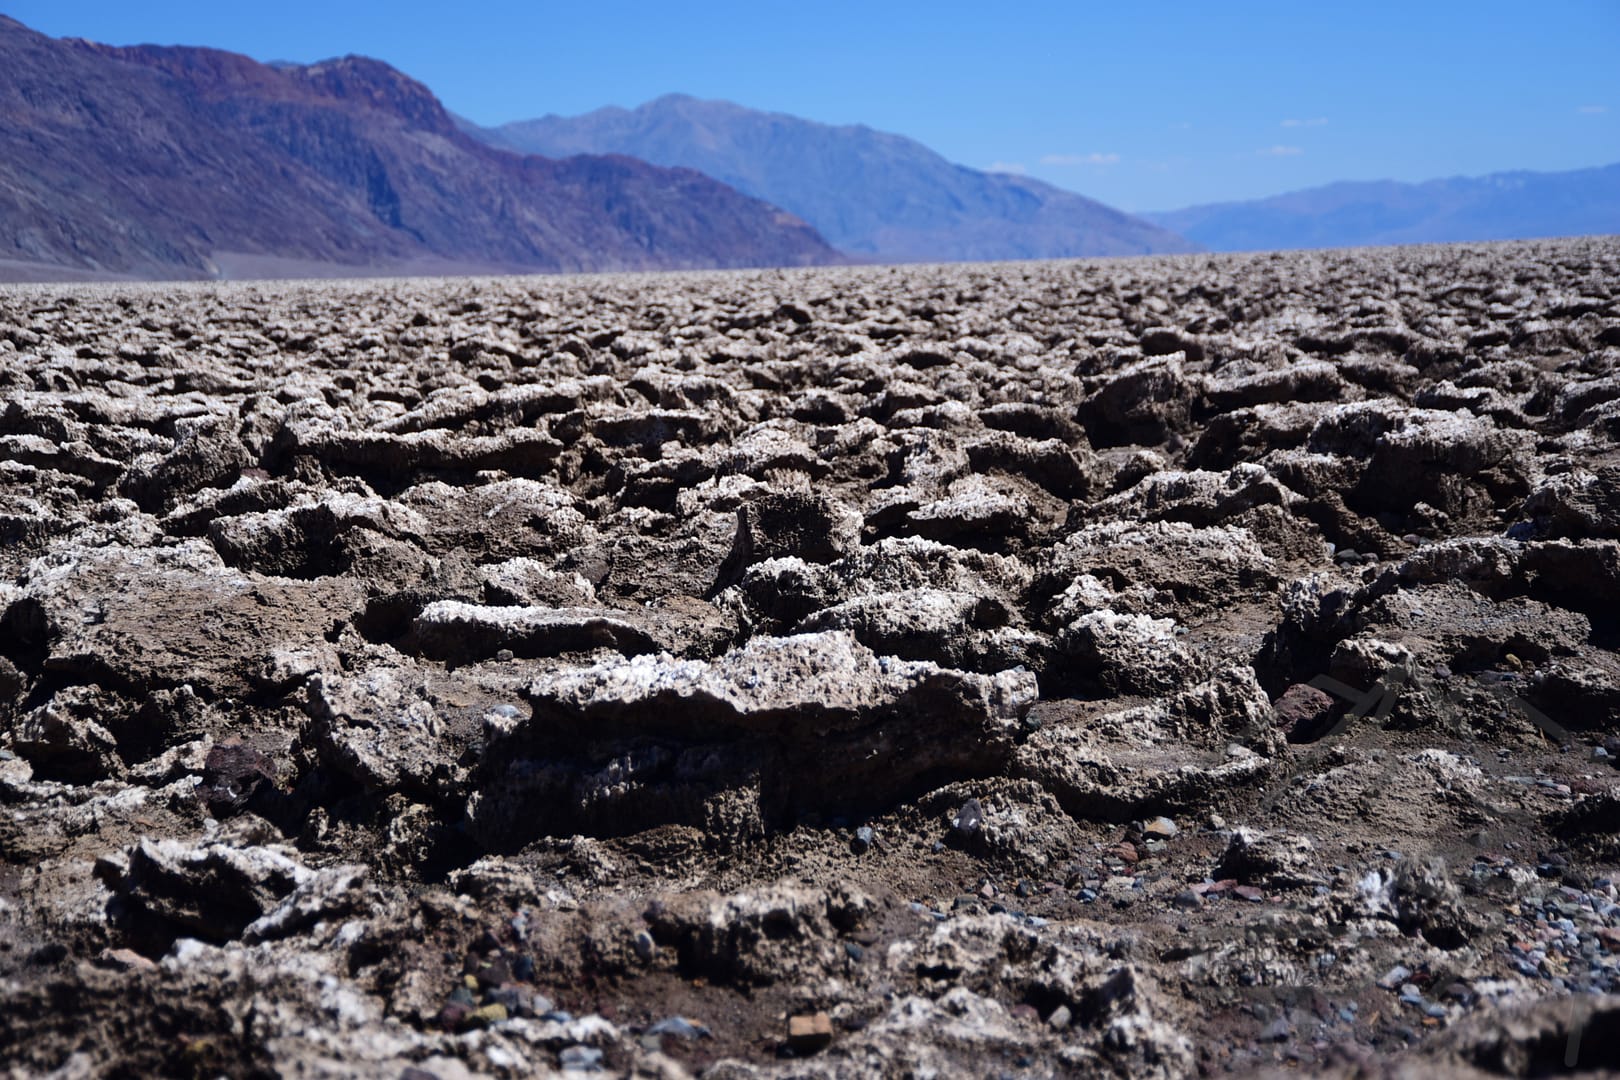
(1147, 668)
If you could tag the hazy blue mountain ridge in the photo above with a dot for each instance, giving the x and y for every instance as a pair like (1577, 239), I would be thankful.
(1499, 206)
(871, 193)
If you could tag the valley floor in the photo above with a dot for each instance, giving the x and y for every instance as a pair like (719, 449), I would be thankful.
(1162, 667)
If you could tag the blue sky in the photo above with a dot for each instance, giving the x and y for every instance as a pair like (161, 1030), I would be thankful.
(1149, 106)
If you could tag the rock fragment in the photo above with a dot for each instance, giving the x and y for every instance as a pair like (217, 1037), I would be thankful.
(809, 1032)
(817, 719)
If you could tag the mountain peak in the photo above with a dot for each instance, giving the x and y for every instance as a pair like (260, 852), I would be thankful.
(374, 84)
(869, 192)
(163, 161)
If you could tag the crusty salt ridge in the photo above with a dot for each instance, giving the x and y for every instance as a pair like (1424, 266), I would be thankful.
(1153, 668)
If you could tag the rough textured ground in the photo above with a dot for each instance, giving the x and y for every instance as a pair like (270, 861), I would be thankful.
(830, 673)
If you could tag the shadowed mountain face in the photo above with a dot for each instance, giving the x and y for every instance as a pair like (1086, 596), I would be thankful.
(166, 162)
(1501, 206)
(878, 195)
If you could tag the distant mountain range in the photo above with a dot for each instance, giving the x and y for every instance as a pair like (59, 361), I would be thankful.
(879, 196)
(1501, 206)
(152, 162)
(165, 162)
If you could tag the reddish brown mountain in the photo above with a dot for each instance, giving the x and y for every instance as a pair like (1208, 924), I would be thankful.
(162, 162)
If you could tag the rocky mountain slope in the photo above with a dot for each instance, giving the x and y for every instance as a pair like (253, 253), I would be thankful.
(868, 192)
(1142, 668)
(1501, 206)
(185, 162)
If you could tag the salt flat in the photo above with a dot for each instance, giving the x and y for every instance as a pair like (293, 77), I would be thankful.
(1152, 667)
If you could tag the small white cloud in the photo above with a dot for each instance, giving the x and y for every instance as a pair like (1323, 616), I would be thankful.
(1592, 110)
(1080, 159)
(1315, 121)
(1280, 151)
(1016, 168)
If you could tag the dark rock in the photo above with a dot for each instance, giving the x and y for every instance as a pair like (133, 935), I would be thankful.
(232, 775)
(1304, 713)
(967, 820)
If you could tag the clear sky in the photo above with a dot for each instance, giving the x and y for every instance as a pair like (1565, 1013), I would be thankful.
(1146, 106)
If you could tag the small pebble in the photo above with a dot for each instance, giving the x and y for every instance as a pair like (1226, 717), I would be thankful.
(493, 1013)
(968, 819)
(580, 1059)
(509, 998)
(681, 1028)
(1161, 827)
(810, 1032)
(1276, 1031)
(1394, 977)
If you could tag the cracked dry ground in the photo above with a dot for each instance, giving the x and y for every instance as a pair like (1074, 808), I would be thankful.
(851, 672)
